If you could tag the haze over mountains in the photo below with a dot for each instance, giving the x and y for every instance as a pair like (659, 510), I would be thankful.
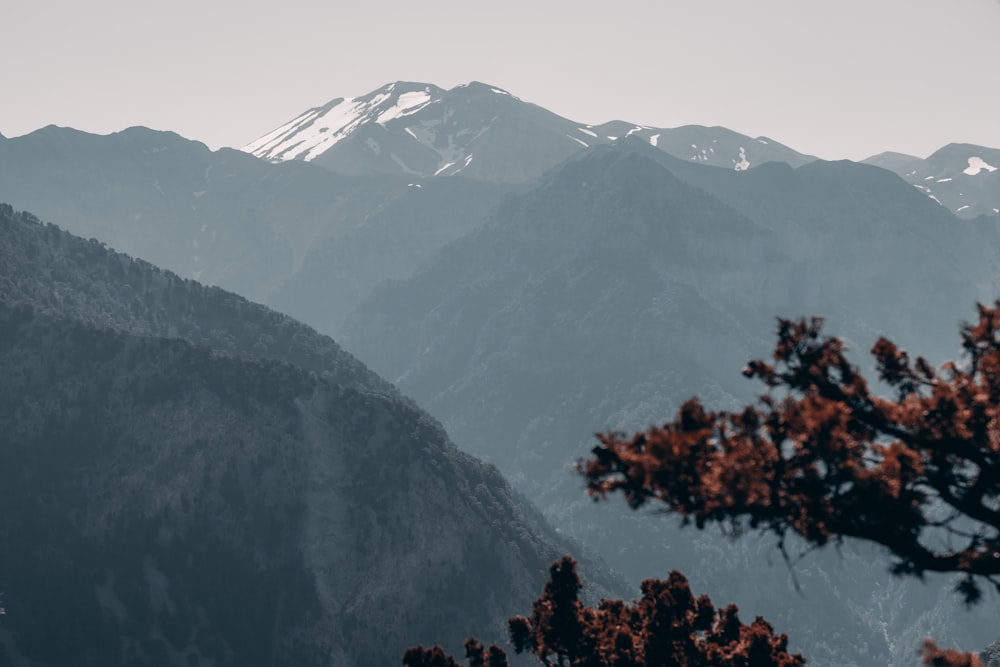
(526, 279)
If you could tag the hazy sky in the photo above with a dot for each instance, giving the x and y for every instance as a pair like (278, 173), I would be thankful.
(836, 79)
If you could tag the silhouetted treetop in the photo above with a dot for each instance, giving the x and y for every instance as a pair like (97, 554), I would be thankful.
(667, 626)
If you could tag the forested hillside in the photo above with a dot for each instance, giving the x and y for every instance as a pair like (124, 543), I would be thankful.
(60, 274)
(198, 504)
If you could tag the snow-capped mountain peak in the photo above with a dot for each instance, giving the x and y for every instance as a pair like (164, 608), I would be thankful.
(317, 130)
(421, 129)
(481, 131)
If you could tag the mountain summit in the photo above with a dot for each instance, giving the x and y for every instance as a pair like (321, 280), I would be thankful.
(476, 129)
(964, 178)
(319, 129)
(480, 131)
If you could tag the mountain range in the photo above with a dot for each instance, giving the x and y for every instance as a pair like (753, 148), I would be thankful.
(526, 279)
(228, 219)
(486, 133)
(479, 131)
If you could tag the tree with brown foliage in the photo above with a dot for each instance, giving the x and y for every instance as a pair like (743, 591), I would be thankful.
(435, 656)
(820, 456)
(667, 626)
(823, 457)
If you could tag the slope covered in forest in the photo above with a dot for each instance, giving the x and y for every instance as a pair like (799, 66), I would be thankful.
(203, 504)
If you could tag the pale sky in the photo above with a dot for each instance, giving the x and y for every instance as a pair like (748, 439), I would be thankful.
(842, 79)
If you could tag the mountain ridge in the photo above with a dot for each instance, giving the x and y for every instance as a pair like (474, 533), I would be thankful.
(229, 219)
(962, 177)
(480, 131)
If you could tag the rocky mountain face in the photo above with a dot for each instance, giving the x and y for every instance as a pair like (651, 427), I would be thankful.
(626, 281)
(481, 132)
(256, 498)
(963, 178)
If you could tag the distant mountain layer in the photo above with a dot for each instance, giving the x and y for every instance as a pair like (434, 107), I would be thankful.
(291, 235)
(198, 504)
(964, 178)
(626, 281)
(479, 131)
(484, 132)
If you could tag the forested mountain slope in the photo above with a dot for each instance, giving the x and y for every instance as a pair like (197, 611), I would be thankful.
(61, 274)
(197, 504)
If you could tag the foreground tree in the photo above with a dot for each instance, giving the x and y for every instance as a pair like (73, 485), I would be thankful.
(824, 458)
(820, 456)
(667, 626)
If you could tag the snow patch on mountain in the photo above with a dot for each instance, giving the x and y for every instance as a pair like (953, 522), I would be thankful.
(976, 165)
(407, 104)
(743, 164)
(388, 124)
(449, 164)
(311, 133)
(701, 154)
(317, 130)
